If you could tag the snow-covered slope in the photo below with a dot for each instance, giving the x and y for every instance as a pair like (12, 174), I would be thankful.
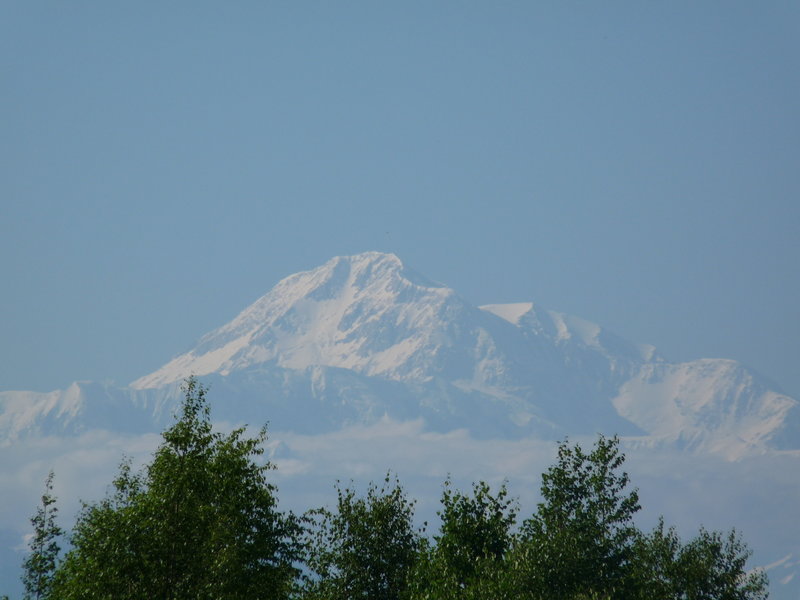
(365, 313)
(81, 407)
(713, 404)
(363, 337)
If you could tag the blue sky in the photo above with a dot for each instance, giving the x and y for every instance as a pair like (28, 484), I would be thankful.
(162, 165)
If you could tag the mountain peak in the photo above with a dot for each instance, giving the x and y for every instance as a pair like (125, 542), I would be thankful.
(337, 314)
(371, 259)
(358, 272)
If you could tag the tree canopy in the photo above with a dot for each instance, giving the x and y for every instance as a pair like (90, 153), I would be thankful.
(201, 521)
(581, 538)
(467, 554)
(366, 548)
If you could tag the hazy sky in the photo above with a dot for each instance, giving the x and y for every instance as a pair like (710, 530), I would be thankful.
(163, 164)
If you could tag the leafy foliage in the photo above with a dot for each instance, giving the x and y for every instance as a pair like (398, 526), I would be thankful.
(40, 565)
(580, 541)
(468, 552)
(200, 522)
(712, 566)
(366, 548)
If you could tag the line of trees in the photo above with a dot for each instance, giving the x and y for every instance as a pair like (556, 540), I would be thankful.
(201, 522)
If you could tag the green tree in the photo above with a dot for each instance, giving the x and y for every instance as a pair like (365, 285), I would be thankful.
(580, 540)
(466, 558)
(200, 521)
(655, 564)
(711, 566)
(366, 548)
(40, 565)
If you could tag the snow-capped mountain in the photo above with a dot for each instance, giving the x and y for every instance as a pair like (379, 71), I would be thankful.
(363, 313)
(363, 337)
(361, 365)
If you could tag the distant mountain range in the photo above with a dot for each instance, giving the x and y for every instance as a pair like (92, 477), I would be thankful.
(362, 337)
